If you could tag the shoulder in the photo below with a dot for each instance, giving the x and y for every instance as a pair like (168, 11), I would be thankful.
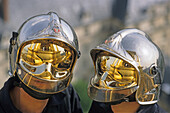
(153, 108)
(69, 96)
(70, 100)
(70, 88)
(9, 83)
(1, 110)
(71, 92)
(159, 109)
(100, 107)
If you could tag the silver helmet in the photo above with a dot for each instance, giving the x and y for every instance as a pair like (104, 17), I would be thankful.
(127, 63)
(43, 53)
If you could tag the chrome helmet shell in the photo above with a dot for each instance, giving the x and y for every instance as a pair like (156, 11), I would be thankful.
(40, 51)
(127, 63)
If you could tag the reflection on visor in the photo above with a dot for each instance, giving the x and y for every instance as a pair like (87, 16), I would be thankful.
(43, 85)
(115, 72)
(46, 60)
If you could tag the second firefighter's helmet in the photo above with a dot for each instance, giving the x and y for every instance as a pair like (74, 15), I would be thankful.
(127, 63)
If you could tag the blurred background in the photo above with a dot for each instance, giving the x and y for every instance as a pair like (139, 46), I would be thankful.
(93, 21)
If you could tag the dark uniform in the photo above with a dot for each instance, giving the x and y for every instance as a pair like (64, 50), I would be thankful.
(98, 107)
(66, 101)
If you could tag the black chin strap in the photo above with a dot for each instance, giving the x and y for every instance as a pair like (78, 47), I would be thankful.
(34, 94)
(17, 81)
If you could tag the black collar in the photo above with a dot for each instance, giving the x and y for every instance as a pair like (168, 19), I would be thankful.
(5, 99)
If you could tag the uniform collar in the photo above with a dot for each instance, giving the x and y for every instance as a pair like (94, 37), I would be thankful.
(6, 101)
(57, 98)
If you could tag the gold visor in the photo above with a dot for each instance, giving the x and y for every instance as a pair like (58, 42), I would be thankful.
(115, 73)
(45, 58)
(46, 65)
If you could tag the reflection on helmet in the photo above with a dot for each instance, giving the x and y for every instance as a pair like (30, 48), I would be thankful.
(44, 53)
(125, 63)
(46, 60)
(115, 72)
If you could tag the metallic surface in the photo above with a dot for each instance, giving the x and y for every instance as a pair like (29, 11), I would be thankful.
(45, 52)
(145, 59)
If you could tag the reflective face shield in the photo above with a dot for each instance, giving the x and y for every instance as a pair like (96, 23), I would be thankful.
(115, 73)
(115, 78)
(45, 65)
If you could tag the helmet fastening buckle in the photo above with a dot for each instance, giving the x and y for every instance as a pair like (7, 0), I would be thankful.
(12, 41)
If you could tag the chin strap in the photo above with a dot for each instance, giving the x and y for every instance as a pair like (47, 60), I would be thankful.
(34, 94)
(41, 96)
(17, 81)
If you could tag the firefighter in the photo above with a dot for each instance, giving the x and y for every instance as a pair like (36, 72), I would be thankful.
(42, 57)
(129, 71)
